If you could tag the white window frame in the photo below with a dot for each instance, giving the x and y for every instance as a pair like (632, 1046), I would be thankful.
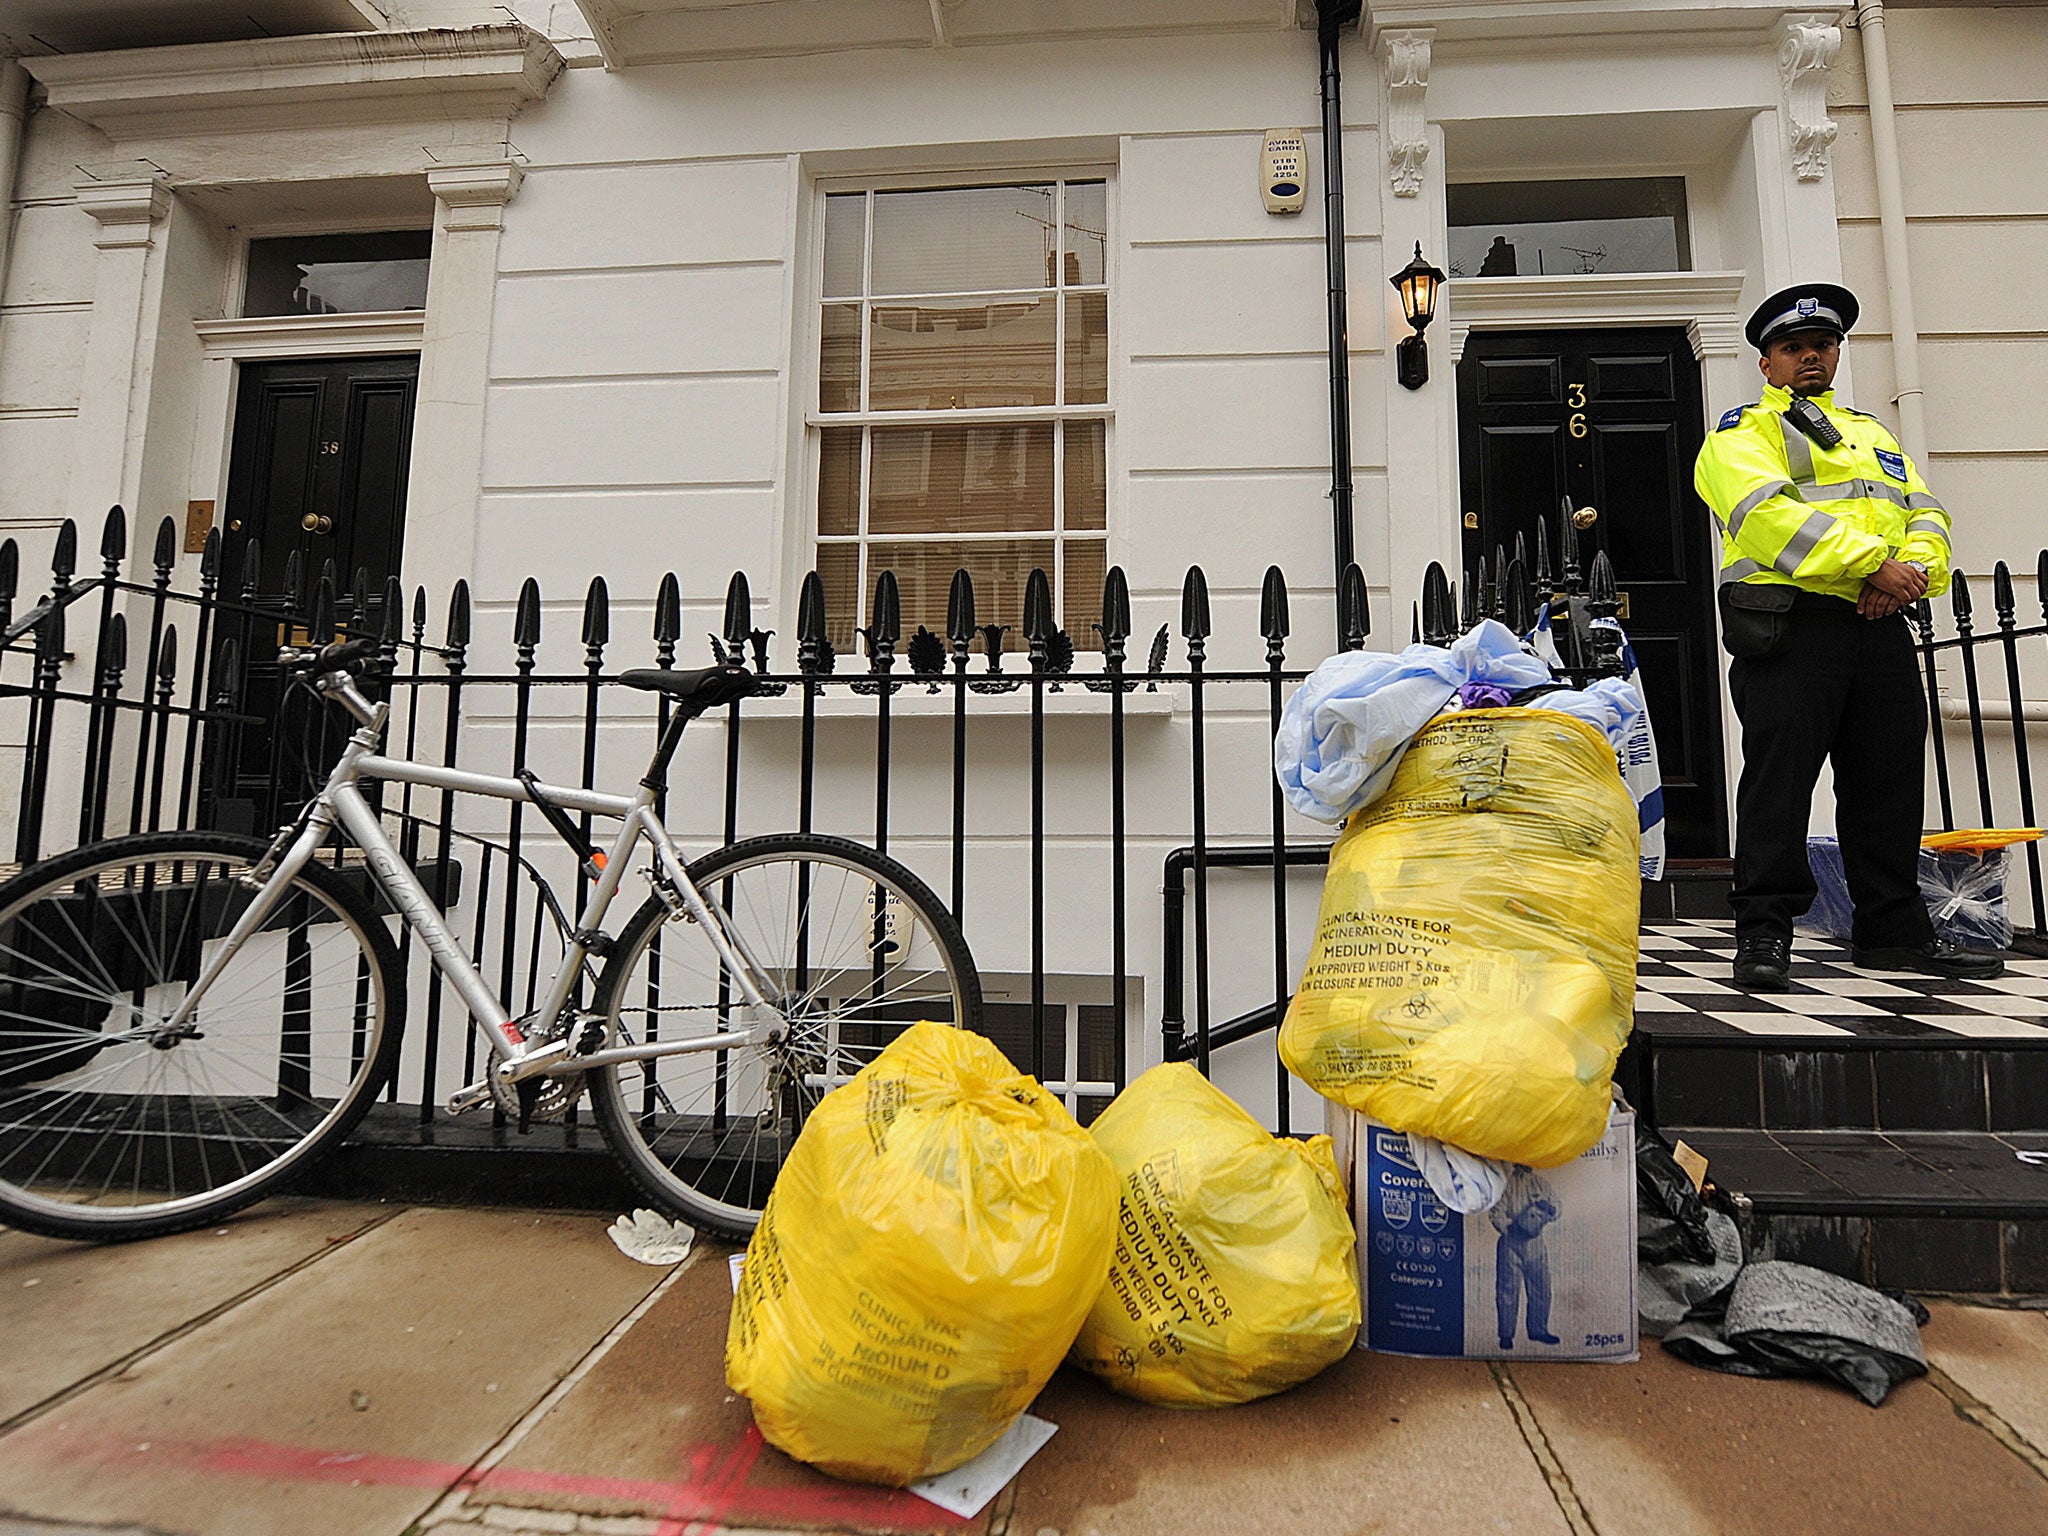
(816, 421)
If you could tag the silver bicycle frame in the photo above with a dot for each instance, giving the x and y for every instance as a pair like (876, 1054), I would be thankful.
(340, 800)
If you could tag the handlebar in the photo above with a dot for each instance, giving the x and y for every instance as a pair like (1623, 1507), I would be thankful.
(350, 656)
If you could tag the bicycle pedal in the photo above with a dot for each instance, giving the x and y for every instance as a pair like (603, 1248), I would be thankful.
(463, 1100)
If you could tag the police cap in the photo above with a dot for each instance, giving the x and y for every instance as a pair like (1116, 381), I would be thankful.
(1804, 307)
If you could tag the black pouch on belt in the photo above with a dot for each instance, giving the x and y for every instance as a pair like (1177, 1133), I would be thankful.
(1755, 618)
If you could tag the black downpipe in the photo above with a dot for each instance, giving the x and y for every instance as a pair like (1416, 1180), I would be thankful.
(1332, 16)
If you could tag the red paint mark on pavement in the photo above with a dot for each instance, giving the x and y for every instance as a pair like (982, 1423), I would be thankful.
(714, 1491)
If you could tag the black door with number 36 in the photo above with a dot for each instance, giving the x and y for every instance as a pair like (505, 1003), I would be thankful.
(1612, 419)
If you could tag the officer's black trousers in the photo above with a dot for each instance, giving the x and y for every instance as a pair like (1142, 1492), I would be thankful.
(1846, 689)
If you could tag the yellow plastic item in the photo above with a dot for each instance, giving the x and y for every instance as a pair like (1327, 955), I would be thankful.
(1473, 972)
(1235, 1273)
(927, 1254)
(1980, 839)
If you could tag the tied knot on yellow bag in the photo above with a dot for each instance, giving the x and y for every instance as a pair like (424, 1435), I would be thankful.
(1234, 1273)
(933, 1241)
(1472, 977)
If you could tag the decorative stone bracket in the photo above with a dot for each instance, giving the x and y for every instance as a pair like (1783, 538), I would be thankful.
(1807, 47)
(125, 210)
(474, 196)
(1406, 59)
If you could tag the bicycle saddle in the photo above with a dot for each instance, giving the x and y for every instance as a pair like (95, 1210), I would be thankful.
(695, 689)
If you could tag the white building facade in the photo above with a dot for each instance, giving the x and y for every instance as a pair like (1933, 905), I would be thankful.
(853, 285)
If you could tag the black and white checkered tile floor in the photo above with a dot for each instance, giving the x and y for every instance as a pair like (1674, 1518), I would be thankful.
(1684, 986)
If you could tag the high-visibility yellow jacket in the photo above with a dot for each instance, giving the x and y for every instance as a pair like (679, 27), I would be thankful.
(1795, 513)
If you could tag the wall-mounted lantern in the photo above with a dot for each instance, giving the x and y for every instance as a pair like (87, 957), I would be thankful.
(1417, 284)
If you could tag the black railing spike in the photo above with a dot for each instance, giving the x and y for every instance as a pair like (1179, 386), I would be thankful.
(165, 555)
(885, 617)
(1481, 588)
(1568, 549)
(668, 610)
(64, 556)
(1519, 611)
(117, 647)
(321, 625)
(359, 601)
(739, 612)
(1354, 608)
(10, 578)
(114, 539)
(2041, 592)
(1438, 617)
(252, 570)
(1600, 586)
(1194, 606)
(526, 619)
(167, 668)
(1543, 576)
(1273, 607)
(597, 615)
(391, 625)
(1116, 608)
(1468, 608)
(1496, 595)
(1037, 611)
(294, 580)
(2002, 594)
(419, 614)
(810, 623)
(1959, 596)
(960, 612)
(209, 556)
(1415, 623)
(457, 634)
(1521, 550)
(227, 673)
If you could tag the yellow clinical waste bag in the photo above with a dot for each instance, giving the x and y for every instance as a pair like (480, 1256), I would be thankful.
(927, 1254)
(1235, 1273)
(1473, 972)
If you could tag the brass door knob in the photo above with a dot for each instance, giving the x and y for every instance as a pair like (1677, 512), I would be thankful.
(1585, 517)
(317, 522)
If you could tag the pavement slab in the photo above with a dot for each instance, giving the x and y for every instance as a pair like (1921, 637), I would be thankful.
(1998, 1356)
(1663, 1448)
(70, 1309)
(346, 1398)
(653, 1432)
(1376, 1443)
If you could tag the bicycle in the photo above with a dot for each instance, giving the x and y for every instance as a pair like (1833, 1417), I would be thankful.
(188, 1020)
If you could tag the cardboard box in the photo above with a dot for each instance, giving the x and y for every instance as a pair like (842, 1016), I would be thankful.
(1557, 1256)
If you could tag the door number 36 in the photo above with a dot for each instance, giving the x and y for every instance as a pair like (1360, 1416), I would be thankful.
(1576, 399)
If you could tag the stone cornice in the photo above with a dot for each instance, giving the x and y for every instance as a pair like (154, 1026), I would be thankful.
(474, 196)
(298, 335)
(354, 77)
(1706, 304)
(1551, 20)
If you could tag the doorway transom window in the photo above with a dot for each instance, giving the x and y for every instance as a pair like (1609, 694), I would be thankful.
(1568, 228)
(963, 409)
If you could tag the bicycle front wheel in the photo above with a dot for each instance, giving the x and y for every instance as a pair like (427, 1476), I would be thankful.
(121, 1119)
(854, 948)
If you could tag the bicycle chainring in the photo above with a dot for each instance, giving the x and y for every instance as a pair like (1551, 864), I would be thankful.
(556, 1096)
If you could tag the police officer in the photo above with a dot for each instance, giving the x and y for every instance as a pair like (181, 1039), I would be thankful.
(1827, 534)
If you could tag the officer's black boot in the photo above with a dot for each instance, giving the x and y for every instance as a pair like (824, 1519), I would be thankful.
(1763, 963)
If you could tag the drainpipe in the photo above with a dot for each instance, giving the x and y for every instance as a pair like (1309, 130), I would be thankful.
(1331, 17)
(13, 107)
(1891, 219)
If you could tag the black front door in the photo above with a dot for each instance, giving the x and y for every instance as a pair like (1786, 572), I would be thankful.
(318, 468)
(1612, 420)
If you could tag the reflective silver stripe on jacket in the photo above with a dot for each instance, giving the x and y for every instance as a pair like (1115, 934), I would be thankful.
(1920, 501)
(1755, 499)
(1741, 568)
(1798, 452)
(1929, 525)
(1800, 545)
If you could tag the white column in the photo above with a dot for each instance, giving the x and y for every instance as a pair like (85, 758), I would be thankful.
(448, 418)
(1422, 424)
(119, 348)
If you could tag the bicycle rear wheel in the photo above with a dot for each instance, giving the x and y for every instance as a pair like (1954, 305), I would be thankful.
(855, 948)
(115, 1125)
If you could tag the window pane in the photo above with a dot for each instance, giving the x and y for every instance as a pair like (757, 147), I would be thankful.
(1553, 228)
(961, 479)
(839, 358)
(938, 357)
(1087, 478)
(338, 274)
(1081, 610)
(839, 569)
(839, 480)
(1087, 232)
(963, 240)
(1087, 348)
(998, 568)
(846, 228)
